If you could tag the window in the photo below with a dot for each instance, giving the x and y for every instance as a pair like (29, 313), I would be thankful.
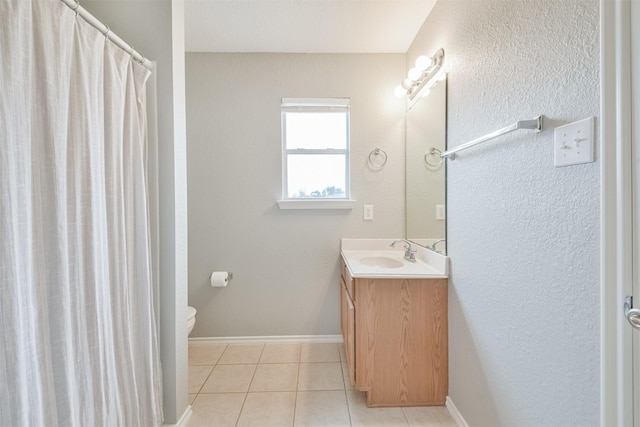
(315, 152)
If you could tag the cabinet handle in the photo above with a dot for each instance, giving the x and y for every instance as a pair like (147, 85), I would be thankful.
(632, 314)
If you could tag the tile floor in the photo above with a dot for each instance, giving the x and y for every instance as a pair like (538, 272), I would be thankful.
(284, 385)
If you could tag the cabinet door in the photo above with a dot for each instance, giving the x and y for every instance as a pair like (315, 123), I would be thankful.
(351, 339)
(344, 308)
(348, 280)
(347, 324)
(402, 347)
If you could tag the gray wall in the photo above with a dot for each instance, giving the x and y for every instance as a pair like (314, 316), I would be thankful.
(154, 28)
(523, 235)
(285, 263)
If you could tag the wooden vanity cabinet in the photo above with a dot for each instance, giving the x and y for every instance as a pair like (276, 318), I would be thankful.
(395, 336)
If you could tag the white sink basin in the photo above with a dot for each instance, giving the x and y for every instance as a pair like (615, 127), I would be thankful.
(381, 262)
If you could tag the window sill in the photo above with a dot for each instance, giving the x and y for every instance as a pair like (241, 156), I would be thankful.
(316, 204)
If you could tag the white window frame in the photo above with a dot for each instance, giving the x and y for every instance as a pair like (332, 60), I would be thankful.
(315, 105)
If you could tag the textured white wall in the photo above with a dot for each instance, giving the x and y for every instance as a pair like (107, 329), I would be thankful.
(523, 236)
(285, 263)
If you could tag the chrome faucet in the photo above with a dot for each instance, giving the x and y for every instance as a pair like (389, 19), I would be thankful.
(433, 246)
(409, 253)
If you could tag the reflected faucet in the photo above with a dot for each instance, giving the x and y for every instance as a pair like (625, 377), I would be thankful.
(433, 246)
(409, 253)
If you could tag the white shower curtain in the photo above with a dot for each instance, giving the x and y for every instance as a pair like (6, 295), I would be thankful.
(78, 343)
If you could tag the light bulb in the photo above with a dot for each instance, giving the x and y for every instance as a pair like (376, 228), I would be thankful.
(423, 62)
(400, 91)
(407, 83)
(414, 74)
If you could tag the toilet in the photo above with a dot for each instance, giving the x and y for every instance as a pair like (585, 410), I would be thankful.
(191, 319)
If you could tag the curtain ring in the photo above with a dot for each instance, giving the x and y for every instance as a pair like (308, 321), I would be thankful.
(131, 52)
(75, 9)
(106, 32)
(431, 152)
(377, 152)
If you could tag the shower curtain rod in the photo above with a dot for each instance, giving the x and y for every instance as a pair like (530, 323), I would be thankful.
(104, 29)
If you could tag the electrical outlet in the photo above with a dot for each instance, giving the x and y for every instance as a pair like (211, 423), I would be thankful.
(440, 213)
(573, 143)
(367, 212)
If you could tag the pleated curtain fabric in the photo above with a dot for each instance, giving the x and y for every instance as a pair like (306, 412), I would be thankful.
(79, 345)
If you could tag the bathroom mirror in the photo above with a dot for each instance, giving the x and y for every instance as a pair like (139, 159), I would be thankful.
(426, 132)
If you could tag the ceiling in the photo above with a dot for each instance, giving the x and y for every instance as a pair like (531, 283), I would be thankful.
(303, 26)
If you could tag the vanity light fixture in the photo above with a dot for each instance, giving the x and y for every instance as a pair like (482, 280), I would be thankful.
(427, 71)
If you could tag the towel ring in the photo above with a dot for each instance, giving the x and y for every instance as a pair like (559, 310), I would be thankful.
(375, 153)
(432, 151)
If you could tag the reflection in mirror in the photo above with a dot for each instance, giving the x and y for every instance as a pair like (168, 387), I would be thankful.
(426, 125)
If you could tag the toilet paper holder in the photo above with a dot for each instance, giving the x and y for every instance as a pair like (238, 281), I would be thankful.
(220, 278)
(230, 274)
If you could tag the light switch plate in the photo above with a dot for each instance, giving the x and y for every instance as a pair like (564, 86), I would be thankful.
(367, 212)
(573, 144)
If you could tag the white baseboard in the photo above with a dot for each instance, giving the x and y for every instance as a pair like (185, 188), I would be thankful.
(455, 414)
(184, 419)
(267, 339)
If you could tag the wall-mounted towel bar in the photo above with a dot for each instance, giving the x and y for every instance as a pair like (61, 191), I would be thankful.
(533, 124)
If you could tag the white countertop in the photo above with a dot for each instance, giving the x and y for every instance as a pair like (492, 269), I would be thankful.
(428, 265)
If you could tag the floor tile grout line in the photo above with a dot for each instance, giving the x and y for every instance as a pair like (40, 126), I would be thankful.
(246, 394)
(210, 372)
(249, 386)
(348, 407)
(241, 409)
(212, 368)
(205, 380)
(345, 388)
(295, 402)
(404, 414)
